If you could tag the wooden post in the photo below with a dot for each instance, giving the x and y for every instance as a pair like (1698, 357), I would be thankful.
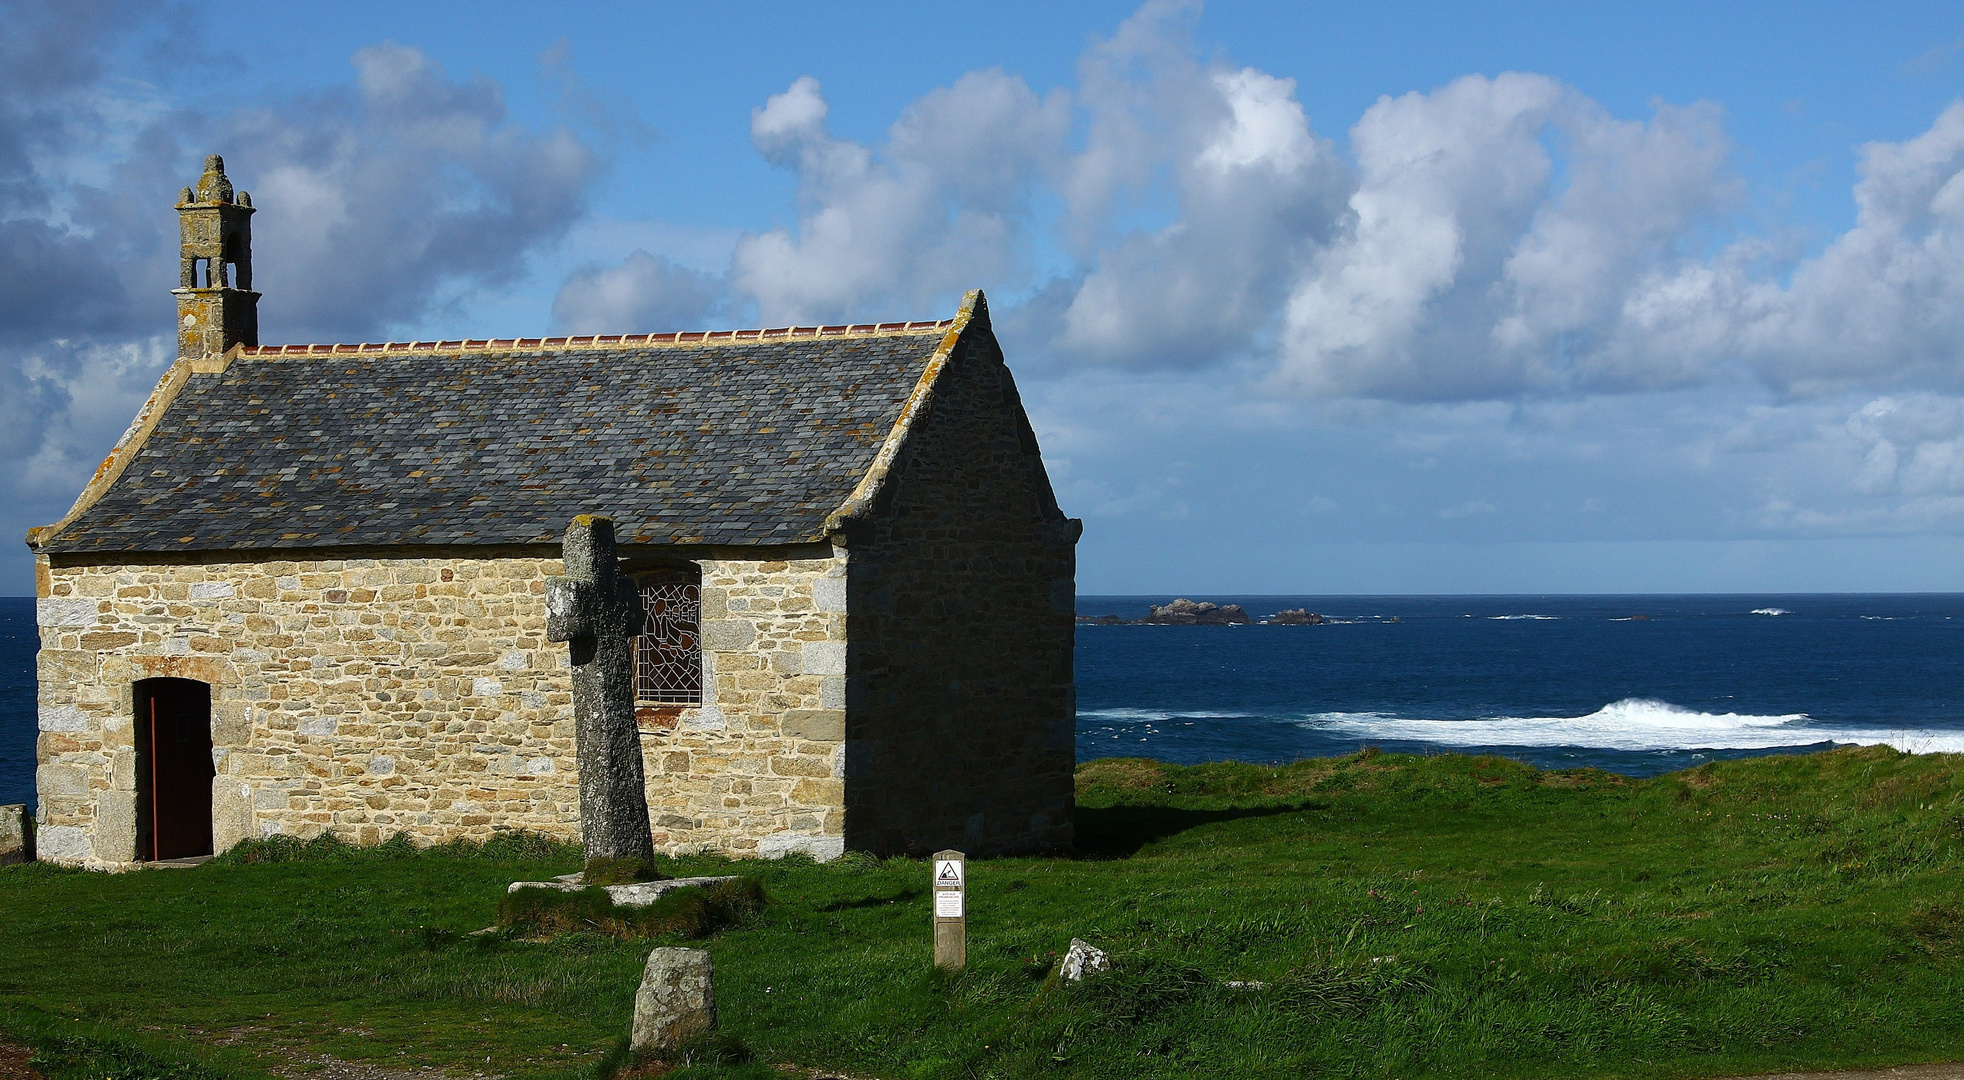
(950, 910)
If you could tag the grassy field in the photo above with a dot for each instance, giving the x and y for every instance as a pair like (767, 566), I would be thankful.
(1409, 917)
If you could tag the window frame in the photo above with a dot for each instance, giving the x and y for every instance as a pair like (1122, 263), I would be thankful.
(668, 651)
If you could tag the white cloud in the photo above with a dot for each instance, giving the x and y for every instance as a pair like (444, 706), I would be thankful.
(1894, 464)
(379, 202)
(1464, 270)
(1881, 307)
(642, 293)
(900, 232)
(1885, 302)
(1257, 189)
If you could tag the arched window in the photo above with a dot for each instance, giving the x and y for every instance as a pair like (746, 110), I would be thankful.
(668, 653)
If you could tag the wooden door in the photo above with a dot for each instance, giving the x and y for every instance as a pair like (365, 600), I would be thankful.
(174, 768)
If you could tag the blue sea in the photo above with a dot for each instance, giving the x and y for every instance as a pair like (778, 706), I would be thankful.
(1638, 685)
(1635, 684)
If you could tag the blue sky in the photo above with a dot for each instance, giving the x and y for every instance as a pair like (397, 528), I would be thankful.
(1302, 297)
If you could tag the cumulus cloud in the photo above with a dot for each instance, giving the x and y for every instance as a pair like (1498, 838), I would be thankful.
(897, 230)
(938, 209)
(1883, 305)
(1257, 191)
(380, 202)
(391, 195)
(1914, 445)
(1462, 270)
(56, 118)
(1890, 464)
(1498, 240)
(641, 294)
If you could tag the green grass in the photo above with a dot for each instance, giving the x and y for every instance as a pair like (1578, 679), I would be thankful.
(1442, 916)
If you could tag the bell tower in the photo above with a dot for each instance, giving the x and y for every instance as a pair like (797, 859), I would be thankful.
(216, 307)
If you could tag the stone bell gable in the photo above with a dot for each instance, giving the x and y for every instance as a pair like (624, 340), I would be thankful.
(306, 591)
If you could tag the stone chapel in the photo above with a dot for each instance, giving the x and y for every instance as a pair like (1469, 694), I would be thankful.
(305, 593)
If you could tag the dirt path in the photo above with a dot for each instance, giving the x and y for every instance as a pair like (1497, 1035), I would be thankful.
(13, 1062)
(299, 1066)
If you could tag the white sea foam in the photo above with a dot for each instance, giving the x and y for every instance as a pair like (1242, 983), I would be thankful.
(1510, 618)
(1771, 611)
(1634, 724)
(1156, 716)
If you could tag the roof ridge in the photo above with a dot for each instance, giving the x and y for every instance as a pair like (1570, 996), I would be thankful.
(600, 341)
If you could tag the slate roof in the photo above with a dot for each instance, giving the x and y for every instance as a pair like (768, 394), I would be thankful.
(751, 437)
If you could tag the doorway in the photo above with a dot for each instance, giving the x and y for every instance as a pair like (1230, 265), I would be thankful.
(173, 768)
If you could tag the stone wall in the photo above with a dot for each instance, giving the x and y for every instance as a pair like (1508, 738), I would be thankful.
(963, 591)
(759, 769)
(371, 696)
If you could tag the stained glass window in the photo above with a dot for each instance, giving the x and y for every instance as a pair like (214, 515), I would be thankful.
(668, 654)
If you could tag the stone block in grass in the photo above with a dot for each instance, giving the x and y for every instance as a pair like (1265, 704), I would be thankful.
(16, 834)
(676, 1002)
(689, 907)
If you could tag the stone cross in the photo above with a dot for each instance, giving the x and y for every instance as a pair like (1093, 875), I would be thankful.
(597, 612)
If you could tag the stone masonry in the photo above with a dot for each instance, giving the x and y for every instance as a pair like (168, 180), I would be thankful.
(961, 691)
(373, 696)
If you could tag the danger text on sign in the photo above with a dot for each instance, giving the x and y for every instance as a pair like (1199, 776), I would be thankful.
(947, 872)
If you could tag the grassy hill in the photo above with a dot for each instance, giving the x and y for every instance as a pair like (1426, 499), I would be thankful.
(1404, 917)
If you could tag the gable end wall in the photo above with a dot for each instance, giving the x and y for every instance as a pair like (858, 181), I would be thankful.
(961, 712)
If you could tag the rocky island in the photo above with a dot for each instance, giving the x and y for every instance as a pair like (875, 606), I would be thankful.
(1185, 612)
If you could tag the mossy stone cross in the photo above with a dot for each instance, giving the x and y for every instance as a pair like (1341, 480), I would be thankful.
(597, 612)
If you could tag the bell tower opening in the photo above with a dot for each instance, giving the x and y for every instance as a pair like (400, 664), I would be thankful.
(216, 307)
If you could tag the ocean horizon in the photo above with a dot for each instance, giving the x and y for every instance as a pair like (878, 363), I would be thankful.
(1637, 684)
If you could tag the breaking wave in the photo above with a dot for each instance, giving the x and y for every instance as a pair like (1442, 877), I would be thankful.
(1157, 716)
(1633, 724)
(1771, 611)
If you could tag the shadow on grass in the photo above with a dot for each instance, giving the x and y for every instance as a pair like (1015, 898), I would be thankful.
(901, 897)
(1118, 832)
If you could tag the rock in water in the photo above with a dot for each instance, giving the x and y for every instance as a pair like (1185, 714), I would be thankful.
(1083, 959)
(676, 1002)
(1185, 612)
(1296, 617)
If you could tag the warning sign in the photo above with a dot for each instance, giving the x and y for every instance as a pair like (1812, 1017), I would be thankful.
(950, 910)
